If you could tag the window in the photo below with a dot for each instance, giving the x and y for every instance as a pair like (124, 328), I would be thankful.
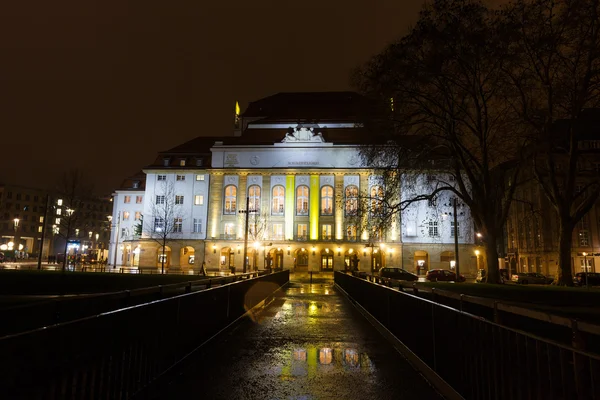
(125, 215)
(452, 228)
(25, 218)
(40, 229)
(9, 195)
(138, 215)
(127, 199)
(199, 177)
(58, 211)
(18, 196)
(135, 184)
(278, 231)
(197, 228)
(278, 201)
(326, 200)
(230, 199)
(376, 200)
(326, 230)
(166, 162)
(41, 220)
(433, 228)
(199, 199)
(161, 177)
(254, 198)
(180, 178)
(584, 238)
(160, 199)
(302, 231)
(351, 200)
(432, 202)
(199, 162)
(179, 199)
(26, 197)
(182, 162)
(302, 200)
(124, 232)
(59, 202)
(351, 232)
(229, 230)
(57, 221)
(139, 199)
(177, 225)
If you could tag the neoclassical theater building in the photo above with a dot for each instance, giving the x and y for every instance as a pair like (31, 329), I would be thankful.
(288, 178)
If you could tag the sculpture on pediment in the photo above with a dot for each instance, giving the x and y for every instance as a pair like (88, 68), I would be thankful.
(301, 134)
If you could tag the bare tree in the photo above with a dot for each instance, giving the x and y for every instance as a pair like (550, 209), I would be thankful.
(554, 72)
(68, 210)
(441, 105)
(165, 222)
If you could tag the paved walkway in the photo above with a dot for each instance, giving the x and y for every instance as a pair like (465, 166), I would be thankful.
(309, 343)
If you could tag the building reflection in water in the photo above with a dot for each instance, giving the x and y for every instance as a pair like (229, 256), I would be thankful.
(300, 355)
(351, 357)
(325, 356)
(313, 360)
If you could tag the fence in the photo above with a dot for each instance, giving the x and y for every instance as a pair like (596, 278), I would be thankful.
(478, 358)
(116, 354)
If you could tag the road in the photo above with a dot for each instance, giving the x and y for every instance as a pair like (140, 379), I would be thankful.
(309, 343)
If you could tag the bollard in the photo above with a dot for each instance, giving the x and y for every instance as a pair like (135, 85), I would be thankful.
(188, 287)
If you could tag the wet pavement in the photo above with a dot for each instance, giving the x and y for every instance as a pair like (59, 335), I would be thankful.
(308, 343)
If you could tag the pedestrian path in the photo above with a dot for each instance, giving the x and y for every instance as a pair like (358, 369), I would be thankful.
(309, 343)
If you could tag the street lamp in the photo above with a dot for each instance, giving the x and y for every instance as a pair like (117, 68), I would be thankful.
(477, 255)
(586, 269)
(16, 223)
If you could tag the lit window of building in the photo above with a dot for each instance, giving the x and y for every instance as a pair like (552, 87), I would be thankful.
(229, 230)
(277, 232)
(138, 215)
(254, 198)
(139, 199)
(127, 199)
(278, 200)
(41, 220)
(58, 211)
(40, 229)
(376, 200)
(199, 177)
(351, 200)
(326, 231)
(199, 200)
(182, 162)
(230, 200)
(302, 231)
(302, 200)
(351, 233)
(326, 200)
(125, 215)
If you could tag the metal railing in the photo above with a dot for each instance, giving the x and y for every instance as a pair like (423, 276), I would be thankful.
(478, 358)
(117, 354)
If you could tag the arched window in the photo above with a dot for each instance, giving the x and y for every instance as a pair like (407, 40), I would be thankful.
(351, 200)
(254, 197)
(326, 200)
(376, 200)
(277, 205)
(302, 200)
(230, 199)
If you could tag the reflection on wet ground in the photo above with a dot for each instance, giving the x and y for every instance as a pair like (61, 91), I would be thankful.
(309, 343)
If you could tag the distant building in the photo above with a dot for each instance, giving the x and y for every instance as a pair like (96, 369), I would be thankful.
(294, 158)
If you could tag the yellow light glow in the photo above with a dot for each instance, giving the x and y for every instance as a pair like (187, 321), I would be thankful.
(477, 252)
(279, 249)
(237, 108)
(351, 251)
(584, 254)
(382, 245)
(256, 245)
(327, 251)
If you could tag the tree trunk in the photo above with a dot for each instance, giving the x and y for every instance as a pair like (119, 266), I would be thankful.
(162, 258)
(491, 254)
(564, 275)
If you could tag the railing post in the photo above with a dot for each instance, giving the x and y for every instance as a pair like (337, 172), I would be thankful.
(461, 302)
(576, 338)
(188, 287)
(434, 296)
(497, 318)
(415, 289)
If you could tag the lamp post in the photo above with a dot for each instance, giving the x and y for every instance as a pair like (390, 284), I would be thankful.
(456, 263)
(477, 255)
(586, 270)
(247, 212)
(16, 224)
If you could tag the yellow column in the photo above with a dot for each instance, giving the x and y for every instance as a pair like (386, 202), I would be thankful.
(313, 213)
(289, 206)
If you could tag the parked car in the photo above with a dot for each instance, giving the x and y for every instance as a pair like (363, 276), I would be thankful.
(397, 273)
(593, 279)
(531, 277)
(481, 275)
(443, 275)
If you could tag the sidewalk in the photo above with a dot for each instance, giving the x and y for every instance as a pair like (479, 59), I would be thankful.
(309, 343)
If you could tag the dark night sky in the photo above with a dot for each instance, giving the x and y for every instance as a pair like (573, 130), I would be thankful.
(102, 86)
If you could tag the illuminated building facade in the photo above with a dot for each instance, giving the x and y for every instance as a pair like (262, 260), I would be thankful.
(293, 165)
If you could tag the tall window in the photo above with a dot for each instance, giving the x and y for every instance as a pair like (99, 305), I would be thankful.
(177, 224)
(302, 231)
(197, 225)
(277, 205)
(351, 200)
(230, 199)
(138, 199)
(433, 228)
(199, 199)
(302, 200)
(326, 231)
(278, 231)
(326, 200)
(351, 232)
(178, 199)
(159, 224)
(127, 199)
(138, 215)
(160, 199)
(229, 230)
(125, 215)
(376, 200)
(254, 197)
(452, 228)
